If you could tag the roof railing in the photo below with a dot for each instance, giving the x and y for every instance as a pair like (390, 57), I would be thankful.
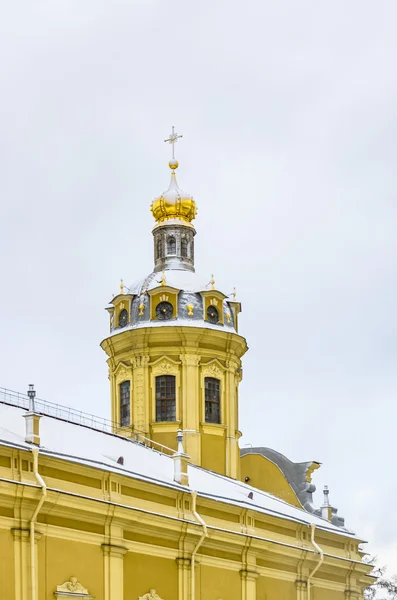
(78, 417)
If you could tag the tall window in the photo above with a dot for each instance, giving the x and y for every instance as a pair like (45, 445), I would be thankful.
(171, 245)
(125, 404)
(165, 398)
(212, 400)
(158, 248)
(183, 247)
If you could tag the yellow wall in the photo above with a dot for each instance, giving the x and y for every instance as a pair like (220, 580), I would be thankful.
(213, 583)
(213, 455)
(142, 572)
(268, 588)
(320, 593)
(6, 564)
(265, 475)
(60, 559)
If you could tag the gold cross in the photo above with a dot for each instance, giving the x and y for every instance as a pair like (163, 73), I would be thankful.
(173, 140)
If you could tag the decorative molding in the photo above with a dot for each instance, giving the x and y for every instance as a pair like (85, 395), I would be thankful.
(72, 589)
(213, 369)
(190, 309)
(165, 367)
(151, 595)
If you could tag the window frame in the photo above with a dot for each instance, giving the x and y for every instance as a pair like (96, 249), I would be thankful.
(159, 247)
(123, 404)
(171, 240)
(212, 403)
(184, 248)
(165, 400)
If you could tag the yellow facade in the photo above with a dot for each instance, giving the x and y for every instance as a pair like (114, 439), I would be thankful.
(121, 537)
(74, 527)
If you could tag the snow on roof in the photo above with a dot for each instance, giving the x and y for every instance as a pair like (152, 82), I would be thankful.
(94, 448)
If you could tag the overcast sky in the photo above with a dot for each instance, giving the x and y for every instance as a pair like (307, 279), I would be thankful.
(288, 112)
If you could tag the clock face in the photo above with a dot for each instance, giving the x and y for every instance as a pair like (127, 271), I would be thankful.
(164, 310)
(212, 314)
(123, 318)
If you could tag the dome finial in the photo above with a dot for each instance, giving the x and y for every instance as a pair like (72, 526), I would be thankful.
(172, 139)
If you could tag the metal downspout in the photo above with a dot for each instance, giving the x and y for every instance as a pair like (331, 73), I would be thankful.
(35, 452)
(201, 540)
(318, 565)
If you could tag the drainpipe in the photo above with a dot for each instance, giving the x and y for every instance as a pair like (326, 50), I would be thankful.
(35, 452)
(318, 565)
(201, 540)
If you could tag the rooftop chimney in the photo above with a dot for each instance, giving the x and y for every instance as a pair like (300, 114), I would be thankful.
(32, 420)
(326, 509)
(181, 461)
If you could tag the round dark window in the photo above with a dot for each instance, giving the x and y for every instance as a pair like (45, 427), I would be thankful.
(212, 314)
(164, 310)
(123, 318)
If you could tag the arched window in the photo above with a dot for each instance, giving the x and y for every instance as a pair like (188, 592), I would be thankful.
(183, 247)
(123, 318)
(125, 404)
(165, 398)
(158, 248)
(212, 400)
(171, 245)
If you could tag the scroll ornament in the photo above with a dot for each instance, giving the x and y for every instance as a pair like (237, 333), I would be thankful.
(151, 595)
(72, 589)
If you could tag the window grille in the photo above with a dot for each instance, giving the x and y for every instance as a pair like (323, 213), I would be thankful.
(125, 404)
(183, 247)
(165, 398)
(171, 245)
(212, 400)
(158, 248)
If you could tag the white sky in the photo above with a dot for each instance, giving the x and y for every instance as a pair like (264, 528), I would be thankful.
(288, 112)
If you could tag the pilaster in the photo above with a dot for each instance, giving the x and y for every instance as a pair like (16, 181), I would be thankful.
(113, 556)
(140, 404)
(190, 403)
(184, 566)
(301, 589)
(248, 584)
(22, 563)
(232, 448)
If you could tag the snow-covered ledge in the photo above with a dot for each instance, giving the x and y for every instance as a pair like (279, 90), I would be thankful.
(71, 589)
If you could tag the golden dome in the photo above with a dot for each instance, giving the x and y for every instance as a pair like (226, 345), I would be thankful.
(174, 203)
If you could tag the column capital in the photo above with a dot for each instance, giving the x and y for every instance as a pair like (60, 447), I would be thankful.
(301, 585)
(23, 533)
(183, 563)
(114, 550)
(247, 575)
(140, 361)
(190, 360)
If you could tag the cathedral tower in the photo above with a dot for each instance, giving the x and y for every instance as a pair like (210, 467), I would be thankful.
(174, 352)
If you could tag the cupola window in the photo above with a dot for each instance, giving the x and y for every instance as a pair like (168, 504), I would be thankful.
(125, 419)
(171, 245)
(123, 317)
(158, 248)
(212, 400)
(183, 247)
(165, 398)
